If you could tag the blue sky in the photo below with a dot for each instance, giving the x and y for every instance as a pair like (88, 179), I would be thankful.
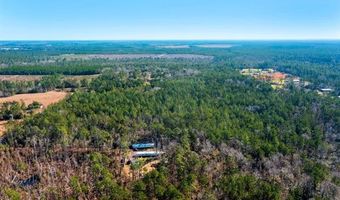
(169, 19)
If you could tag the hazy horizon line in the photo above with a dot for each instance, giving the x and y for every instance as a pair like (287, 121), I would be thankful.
(140, 39)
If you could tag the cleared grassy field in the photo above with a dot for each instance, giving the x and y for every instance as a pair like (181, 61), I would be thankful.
(45, 99)
(20, 77)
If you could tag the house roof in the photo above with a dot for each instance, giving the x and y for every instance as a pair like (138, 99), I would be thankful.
(143, 145)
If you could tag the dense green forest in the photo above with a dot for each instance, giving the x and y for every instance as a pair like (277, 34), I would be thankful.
(224, 135)
(316, 61)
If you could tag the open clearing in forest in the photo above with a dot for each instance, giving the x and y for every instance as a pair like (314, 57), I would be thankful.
(2, 127)
(14, 78)
(45, 99)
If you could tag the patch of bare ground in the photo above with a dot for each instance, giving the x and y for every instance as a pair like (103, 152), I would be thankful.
(45, 99)
(2, 127)
(14, 78)
(149, 167)
(131, 174)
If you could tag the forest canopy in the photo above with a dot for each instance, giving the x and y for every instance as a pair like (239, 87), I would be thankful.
(219, 134)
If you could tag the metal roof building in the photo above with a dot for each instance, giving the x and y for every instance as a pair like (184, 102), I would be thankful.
(147, 153)
(143, 146)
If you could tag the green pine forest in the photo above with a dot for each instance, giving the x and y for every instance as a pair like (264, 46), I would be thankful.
(224, 135)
